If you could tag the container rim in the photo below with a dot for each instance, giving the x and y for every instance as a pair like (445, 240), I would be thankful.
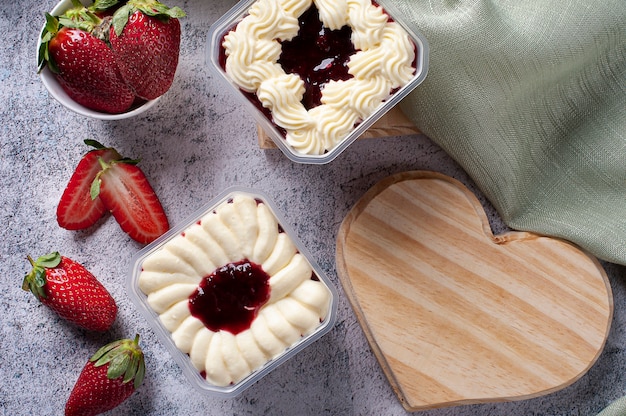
(220, 27)
(139, 299)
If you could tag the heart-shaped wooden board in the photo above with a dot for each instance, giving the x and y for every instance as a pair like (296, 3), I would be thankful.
(456, 315)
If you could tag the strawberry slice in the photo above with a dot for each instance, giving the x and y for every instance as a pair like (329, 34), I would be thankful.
(126, 193)
(77, 210)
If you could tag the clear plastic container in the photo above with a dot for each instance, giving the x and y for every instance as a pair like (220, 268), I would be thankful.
(140, 300)
(229, 20)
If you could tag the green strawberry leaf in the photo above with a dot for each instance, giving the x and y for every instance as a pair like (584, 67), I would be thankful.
(176, 12)
(94, 143)
(102, 5)
(140, 373)
(120, 18)
(127, 160)
(131, 370)
(50, 260)
(151, 8)
(118, 365)
(103, 350)
(35, 281)
(49, 31)
(125, 358)
(94, 190)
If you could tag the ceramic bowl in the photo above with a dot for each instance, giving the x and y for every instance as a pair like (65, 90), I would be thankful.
(54, 88)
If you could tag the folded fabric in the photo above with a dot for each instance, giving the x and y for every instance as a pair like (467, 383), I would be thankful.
(529, 97)
(617, 408)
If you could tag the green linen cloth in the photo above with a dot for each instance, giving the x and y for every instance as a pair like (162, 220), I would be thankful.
(617, 408)
(529, 97)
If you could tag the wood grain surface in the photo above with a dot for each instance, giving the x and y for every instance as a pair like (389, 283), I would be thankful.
(456, 315)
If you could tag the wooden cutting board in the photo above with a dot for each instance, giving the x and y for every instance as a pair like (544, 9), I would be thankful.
(456, 315)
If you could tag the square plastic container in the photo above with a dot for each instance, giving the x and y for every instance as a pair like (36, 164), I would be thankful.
(214, 49)
(140, 299)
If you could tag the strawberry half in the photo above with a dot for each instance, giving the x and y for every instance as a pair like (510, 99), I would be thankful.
(126, 193)
(76, 209)
(145, 37)
(71, 291)
(110, 376)
(83, 64)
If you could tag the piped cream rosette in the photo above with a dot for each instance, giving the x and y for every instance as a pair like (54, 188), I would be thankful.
(384, 62)
(241, 228)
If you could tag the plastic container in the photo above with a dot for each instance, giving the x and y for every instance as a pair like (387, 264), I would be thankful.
(56, 91)
(229, 20)
(139, 298)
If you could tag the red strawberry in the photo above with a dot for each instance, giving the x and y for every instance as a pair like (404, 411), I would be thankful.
(71, 291)
(110, 376)
(126, 193)
(84, 64)
(145, 37)
(77, 210)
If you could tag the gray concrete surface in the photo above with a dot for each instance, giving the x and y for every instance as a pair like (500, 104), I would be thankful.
(195, 143)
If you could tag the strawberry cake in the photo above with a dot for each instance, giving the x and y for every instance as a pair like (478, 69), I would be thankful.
(318, 68)
(234, 291)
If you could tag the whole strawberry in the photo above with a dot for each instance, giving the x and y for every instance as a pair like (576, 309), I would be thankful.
(71, 291)
(110, 376)
(83, 63)
(145, 38)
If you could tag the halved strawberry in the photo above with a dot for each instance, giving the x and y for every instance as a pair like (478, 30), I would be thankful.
(77, 210)
(126, 193)
(145, 38)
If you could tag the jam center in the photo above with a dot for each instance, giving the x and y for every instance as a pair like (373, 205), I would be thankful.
(318, 55)
(230, 297)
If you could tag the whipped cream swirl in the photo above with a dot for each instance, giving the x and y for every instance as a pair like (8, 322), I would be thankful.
(238, 229)
(382, 64)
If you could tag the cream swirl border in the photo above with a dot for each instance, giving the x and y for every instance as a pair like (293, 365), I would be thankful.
(236, 230)
(384, 62)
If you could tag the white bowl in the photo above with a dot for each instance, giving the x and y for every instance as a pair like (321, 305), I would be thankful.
(56, 91)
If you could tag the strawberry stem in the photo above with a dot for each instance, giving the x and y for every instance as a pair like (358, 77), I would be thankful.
(35, 280)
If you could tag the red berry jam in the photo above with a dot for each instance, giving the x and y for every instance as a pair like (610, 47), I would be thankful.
(230, 297)
(318, 55)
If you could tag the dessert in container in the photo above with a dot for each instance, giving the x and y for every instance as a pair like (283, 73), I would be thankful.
(196, 285)
(56, 91)
(316, 132)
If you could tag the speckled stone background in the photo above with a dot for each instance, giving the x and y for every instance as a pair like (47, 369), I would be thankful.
(193, 144)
